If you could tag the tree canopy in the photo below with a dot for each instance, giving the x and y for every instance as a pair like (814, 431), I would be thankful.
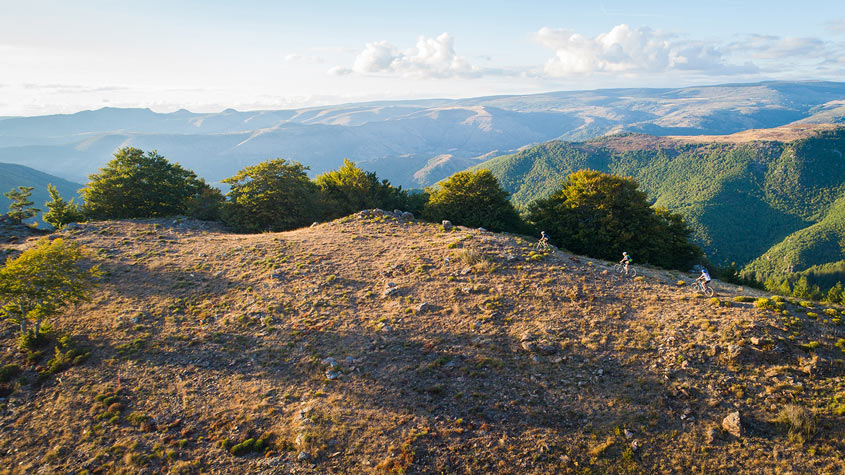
(60, 212)
(20, 208)
(275, 195)
(473, 199)
(350, 189)
(601, 215)
(42, 280)
(140, 185)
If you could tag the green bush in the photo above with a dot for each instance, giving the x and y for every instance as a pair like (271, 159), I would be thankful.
(601, 215)
(275, 195)
(140, 185)
(473, 199)
(244, 447)
(8, 372)
(766, 304)
(743, 298)
(60, 212)
(350, 189)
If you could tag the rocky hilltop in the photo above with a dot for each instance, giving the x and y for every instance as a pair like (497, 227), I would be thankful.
(379, 344)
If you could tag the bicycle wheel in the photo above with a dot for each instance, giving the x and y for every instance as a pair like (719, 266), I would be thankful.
(632, 271)
(708, 291)
(619, 269)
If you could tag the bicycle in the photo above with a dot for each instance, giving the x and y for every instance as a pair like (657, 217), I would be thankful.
(619, 268)
(542, 245)
(703, 288)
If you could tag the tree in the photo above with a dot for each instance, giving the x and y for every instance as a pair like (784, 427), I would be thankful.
(601, 215)
(42, 280)
(60, 211)
(473, 199)
(140, 185)
(20, 208)
(275, 195)
(835, 293)
(350, 189)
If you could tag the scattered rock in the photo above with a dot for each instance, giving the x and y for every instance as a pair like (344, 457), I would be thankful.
(447, 225)
(423, 307)
(755, 341)
(482, 230)
(407, 215)
(547, 348)
(303, 456)
(628, 434)
(732, 424)
(635, 445)
(330, 362)
(331, 375)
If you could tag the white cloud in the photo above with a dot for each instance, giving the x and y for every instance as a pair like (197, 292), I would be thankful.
(774, 47)
(299, 58)
(429, 58)
(338, 71)
(837, 26)
(631, 50)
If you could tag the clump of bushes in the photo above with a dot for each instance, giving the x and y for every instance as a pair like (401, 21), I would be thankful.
(249, 445)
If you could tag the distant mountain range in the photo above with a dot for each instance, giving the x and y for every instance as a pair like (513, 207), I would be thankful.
(771, 200)
(411, 143)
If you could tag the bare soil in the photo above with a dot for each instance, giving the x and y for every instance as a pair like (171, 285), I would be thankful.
(371, 345)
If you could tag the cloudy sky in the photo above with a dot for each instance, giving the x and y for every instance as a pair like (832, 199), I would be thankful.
(65, 56)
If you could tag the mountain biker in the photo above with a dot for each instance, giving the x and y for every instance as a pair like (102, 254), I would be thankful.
(626, 259)
(704, 277)
(544, 238)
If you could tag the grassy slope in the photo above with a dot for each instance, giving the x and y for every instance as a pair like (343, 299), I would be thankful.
(522, 366)
(12, 176)
(761, 191)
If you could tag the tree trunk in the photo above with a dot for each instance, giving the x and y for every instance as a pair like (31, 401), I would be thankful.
(37, 327)
(23, 326)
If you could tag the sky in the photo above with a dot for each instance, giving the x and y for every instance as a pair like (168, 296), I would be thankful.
(210, 55)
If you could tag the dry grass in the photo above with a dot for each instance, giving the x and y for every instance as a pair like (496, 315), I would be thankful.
(367, 346)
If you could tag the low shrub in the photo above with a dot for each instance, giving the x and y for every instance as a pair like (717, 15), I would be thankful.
(799, 423)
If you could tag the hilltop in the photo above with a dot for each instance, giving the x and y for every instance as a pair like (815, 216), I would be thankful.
(374, 344)
(412, 143)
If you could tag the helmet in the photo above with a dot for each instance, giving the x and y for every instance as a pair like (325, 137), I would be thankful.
(703, 270)
(624, 253)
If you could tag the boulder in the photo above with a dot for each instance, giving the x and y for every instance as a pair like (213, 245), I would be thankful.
(447, 225)
(732, 424)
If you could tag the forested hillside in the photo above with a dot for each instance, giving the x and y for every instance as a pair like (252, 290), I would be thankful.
(742, 197)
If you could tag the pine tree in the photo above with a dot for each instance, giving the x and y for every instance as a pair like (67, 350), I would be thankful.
(21, 208)
(60, 212)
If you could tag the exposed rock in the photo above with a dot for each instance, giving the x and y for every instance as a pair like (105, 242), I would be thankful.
(482, 230)
(447, 225)
(331, 375)
(732, 424)
(407, 215)
(330, 362)
(303, 456)
(423, 307)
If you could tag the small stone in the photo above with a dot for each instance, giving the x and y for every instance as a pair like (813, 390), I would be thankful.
(482, 230)
(349, 360)
(331, 375)
(300, 440)
(732, 424)
(447, 225)
(423, 307)
(628, 434)
(303, 456)
(755, 341)
(330, 362)
(635, 445)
